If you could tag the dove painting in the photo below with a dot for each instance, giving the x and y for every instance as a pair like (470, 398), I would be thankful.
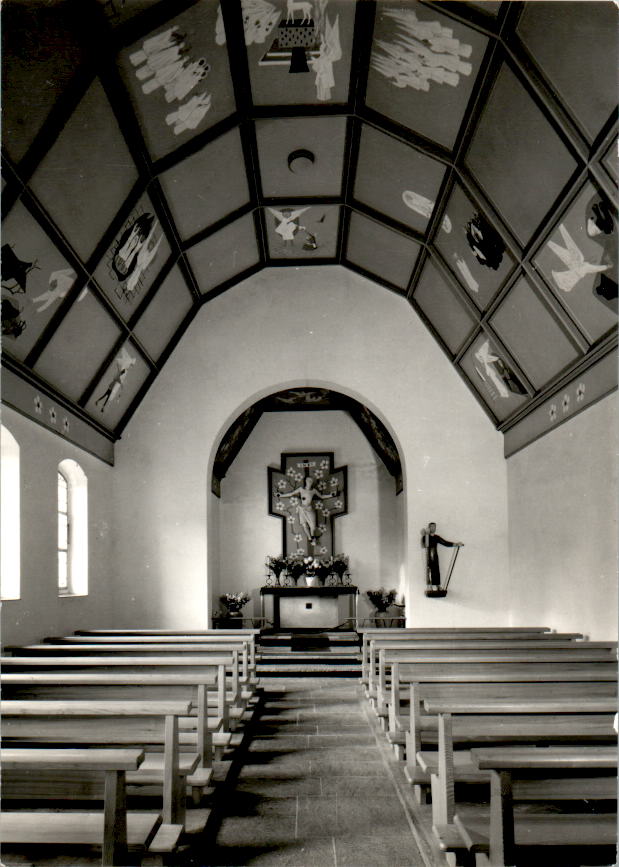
(574, 261)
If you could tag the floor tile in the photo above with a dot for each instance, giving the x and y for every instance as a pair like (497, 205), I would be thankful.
(316, 816)
(394, 850)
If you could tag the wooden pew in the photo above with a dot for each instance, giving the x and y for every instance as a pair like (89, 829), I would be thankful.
(170, 662)
(114, 830)
(188, 686)
(374, 643)
(141, 649)
(578, 653)
(214, 637)
(470, 722)
(449, 634)
(498, 835)
(551, 675)
(242, 682)
(128, 722)
(141, 667)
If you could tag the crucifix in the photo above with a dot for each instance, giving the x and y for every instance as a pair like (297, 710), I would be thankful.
(308, 493)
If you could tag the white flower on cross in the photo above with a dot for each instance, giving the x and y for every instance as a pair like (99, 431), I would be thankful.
(279, 507)
(580, 392)
(566, 403)
(38, 405)
(552, 412)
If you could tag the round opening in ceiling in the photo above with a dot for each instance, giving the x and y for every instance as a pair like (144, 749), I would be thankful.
(301, 161)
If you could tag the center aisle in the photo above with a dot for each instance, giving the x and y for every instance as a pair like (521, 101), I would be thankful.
(315, 788)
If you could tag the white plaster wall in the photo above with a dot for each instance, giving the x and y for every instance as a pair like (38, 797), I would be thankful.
(324, 327)
(40, 611)
(563, 525)
(368, 533)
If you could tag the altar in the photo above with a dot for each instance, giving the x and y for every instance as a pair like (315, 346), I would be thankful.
(309, 607)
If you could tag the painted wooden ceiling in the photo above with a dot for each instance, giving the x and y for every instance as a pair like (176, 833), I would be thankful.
(459, 154)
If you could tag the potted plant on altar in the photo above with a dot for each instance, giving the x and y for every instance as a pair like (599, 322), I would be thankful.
(339, 565)
(295, 566)
(381, 599)
(233, 603)
(316, 570)
(276, 565)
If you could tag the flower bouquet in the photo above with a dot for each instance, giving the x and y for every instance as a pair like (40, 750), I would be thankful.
(381, 599)
(276, 565)
(233, 602)
(339, 565)
(295, 566)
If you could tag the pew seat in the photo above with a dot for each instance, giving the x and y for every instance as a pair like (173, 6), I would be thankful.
(113, 830)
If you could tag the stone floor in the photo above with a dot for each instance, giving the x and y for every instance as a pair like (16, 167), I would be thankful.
(314, 785)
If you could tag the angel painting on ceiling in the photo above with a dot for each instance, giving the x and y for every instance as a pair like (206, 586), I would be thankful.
(292, 233)
(497, 376)
(165, 63)
(133, 253)
(422, 53)
(123, 362)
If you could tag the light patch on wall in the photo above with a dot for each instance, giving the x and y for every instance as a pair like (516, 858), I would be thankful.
(10, 517)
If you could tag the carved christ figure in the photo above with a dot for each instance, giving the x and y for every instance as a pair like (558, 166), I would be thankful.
(305, 510)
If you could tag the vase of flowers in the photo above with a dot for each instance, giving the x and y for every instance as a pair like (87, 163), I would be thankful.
(339, 566)
(276, 565)
(295, 566)
(234, 602)
(381, 599)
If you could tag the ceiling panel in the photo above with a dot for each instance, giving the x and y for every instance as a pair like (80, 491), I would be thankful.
(79, 346)
(532, 334)
(494, 377)
(208, 185)
(308, 232)
(473, 248)
(423, 68)
(396, 179)
(225, 254)
(125, 164)
(118, 386)
(88, 173)
(579, 262)
(299, 52)
(489, 6)
(179, 79)
(381, 251)
(133, 259)
(119, 11)
(284, 173)
(164, 313)
(443, 307)
(610, 161)
(518, 157)
(40, 44)
(35, 279)
(575, 44)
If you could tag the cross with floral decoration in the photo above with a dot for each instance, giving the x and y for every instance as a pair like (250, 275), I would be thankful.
(308, 529)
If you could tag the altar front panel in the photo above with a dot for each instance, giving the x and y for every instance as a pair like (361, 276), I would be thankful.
(309, 607)
(309, 611)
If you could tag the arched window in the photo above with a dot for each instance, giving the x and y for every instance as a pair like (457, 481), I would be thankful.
(10, 567)
(72, 529)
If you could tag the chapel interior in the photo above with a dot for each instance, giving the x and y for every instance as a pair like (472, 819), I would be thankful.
(372, 242)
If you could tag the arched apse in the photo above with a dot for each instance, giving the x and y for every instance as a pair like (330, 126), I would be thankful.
(303, 399)
(315, 418)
